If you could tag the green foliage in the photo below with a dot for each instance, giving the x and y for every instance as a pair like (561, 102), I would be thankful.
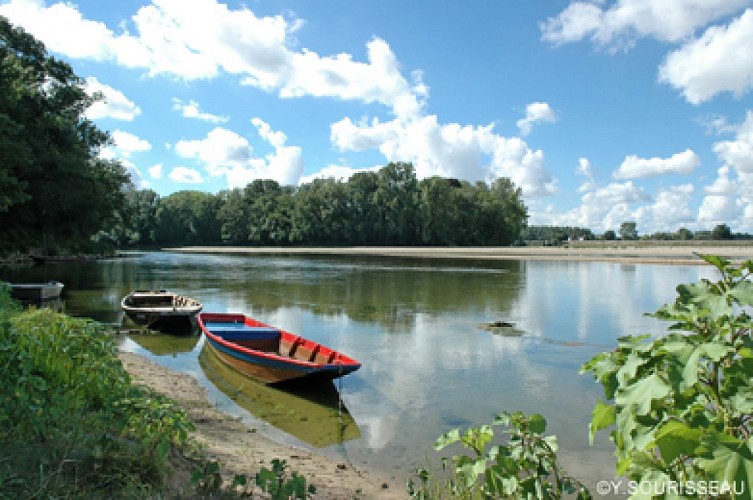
(386, 207)
(55, 190)
(628, 230)
(525, 466)
(279, 485)
(206, 477)
(277, 482)
(555, 235)
(679, 407)
(71, 421)
(186, 218)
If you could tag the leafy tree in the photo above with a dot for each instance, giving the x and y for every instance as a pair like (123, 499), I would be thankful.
(396, 201)
(54, 189)
(261, 198)
(556, 234)
(322, 213)
(233, 217)
(437, 211)
(680, 406)
(628, 231)
(137, 223)
(721, 232)
(188, 217)
(364, 212)
(610, 235)
(684, 234)
(502, 214)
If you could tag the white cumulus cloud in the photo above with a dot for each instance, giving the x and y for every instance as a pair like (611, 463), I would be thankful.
(719, 61)
(156, 170)
(536, 112)
(191, 110)
(450, 150)
(738, 153)
(113, 103)
(604, 208)
(729, 198)
(202, 38)
(620, 23)
(127, 143)
(634, 167)
(670, 210)
(224, 152)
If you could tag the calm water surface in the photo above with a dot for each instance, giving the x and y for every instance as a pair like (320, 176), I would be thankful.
(413, 323)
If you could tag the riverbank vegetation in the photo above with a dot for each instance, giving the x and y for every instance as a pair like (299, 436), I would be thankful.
(56, 191)
(74, 425)
(71, 422)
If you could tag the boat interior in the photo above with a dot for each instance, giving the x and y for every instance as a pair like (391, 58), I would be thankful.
(270, 339)
(159, 300)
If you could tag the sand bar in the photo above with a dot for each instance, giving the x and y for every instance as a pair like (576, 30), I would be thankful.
(628, 253)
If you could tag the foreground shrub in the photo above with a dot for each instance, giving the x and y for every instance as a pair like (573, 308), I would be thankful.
(70, 419)
(680, 407)
(525, 466)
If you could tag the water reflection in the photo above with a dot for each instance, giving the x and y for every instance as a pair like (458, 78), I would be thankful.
(161, 344)
(313, 413)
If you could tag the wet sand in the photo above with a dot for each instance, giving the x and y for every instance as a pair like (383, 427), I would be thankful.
(239, 449)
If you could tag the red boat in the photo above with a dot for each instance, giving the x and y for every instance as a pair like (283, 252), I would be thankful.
(270, 354)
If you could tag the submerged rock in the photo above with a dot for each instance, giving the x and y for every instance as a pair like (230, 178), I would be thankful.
(504, 328)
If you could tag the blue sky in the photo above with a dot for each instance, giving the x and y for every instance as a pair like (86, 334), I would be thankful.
(601, 111)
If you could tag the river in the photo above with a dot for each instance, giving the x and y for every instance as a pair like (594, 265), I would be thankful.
(414, 324)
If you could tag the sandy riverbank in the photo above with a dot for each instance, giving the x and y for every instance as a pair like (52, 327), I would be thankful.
(653, 252)
(239, 449)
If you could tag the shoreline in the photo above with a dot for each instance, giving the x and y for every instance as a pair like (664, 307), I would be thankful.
(240, 449)
(679, 254)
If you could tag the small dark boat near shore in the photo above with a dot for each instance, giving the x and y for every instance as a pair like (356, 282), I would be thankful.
(161, 310)
(36, 292)
(270, 354)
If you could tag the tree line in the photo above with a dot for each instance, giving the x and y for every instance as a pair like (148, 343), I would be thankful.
(558, 235)
(385, 207)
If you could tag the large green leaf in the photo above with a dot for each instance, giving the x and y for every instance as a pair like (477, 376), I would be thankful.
(691, 358)
(743, 293)
(446, 439)
(537, 423)
(629, 369)
(602, 417)
(706, 297)
(675, 438)
(640, 394)
(731, 461)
